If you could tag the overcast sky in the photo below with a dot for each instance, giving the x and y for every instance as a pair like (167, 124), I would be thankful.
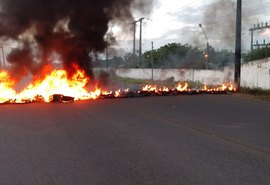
(178, 20)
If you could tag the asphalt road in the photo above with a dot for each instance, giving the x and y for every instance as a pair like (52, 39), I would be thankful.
(193, 140)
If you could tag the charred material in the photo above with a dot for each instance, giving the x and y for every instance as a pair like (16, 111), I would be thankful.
(147, 91)
(59, 98)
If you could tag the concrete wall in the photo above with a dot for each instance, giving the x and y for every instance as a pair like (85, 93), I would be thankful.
(211, 77)
(253, 74)
(256, 74)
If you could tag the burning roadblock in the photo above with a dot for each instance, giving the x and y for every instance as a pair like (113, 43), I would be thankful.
(57, 87)
(60, 98)
(152, 90)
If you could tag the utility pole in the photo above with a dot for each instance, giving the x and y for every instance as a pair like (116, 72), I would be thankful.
(140, 46)
(152, 60)
(134, 41)
(107, 53)
(251, 39)
(208, 53)
(237, 72)
(134, 38)
(140, 40)
(3, 56)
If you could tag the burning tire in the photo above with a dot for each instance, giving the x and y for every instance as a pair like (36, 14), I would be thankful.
(59, 98)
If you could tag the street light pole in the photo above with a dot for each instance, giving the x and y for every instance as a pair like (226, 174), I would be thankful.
(207, 46)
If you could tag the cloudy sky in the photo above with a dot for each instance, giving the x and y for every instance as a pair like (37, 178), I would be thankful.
(178, 20)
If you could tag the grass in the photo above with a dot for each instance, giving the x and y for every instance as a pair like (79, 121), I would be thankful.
(256, 93)
(112, 77)
(168, 82)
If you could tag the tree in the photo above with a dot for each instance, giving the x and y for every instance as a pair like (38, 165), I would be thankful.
(257, 54)
(174, 55)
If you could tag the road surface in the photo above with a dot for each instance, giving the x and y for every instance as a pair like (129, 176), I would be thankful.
(176, 140)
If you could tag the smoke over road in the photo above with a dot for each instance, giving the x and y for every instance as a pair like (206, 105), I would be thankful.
(70, 28)
(219, 18)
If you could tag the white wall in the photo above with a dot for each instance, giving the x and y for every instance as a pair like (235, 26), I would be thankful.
(256, 74)
(211, 77)
(253, 74)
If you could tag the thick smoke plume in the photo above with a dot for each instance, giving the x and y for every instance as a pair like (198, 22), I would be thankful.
(219, 21)
(71, 28)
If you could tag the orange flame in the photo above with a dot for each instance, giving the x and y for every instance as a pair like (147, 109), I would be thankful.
(224, 87)
(164, 89)
(57, 82)
(181, 87)
(150, 88)
(6, 90)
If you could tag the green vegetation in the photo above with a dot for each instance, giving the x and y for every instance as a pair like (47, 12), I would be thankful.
(176, 55)
(257, 54)
(168, 82)
(173, 55)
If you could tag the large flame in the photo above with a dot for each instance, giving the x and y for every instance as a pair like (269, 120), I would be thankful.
(42, 89)
(6, 90)
(57, 83)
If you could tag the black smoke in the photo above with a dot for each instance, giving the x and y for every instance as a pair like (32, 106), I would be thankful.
(71, 28)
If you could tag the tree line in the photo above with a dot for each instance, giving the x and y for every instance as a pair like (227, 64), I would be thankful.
(257, 54)
(172, 55)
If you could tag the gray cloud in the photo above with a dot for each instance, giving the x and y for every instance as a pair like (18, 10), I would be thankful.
(218, 18)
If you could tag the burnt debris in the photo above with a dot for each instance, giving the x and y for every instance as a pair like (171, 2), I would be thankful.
(60, 98)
